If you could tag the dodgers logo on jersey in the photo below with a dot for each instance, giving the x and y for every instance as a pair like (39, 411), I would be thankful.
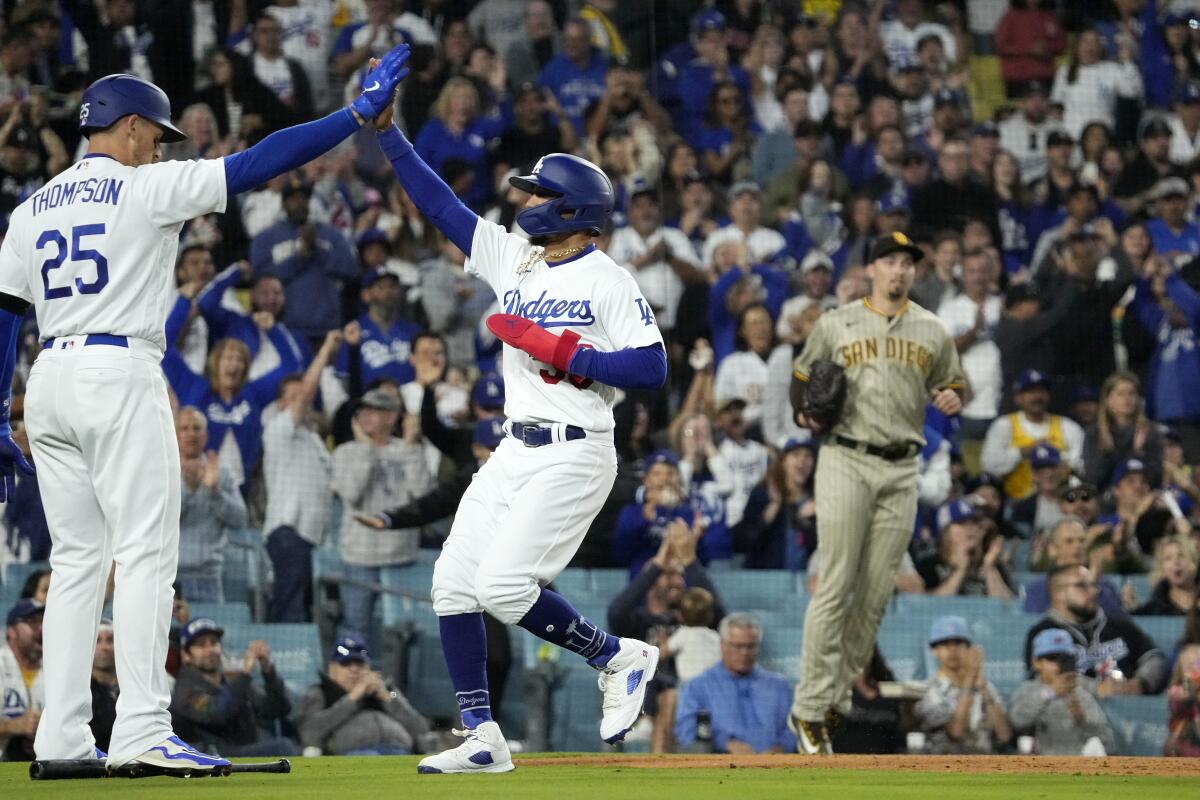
(549, 312)
(645, 312)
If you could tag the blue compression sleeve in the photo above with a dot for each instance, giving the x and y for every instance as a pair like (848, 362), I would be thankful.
(286, 149)
(433, 197)
(633, 368)
(10, 332)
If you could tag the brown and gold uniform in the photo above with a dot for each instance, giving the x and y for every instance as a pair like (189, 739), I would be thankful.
(866, 483)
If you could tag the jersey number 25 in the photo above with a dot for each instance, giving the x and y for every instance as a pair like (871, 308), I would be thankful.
(77, 252)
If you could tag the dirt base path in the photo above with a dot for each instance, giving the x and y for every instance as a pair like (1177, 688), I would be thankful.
(1174, 767)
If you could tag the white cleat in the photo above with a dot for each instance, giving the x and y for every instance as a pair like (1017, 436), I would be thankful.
(623, 682)
(175, 755)
(483, 751)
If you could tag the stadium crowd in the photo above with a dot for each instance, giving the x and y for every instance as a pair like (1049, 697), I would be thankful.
(336, 387)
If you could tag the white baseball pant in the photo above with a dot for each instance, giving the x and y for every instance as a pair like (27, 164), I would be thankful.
(520, 523)
(104, 445)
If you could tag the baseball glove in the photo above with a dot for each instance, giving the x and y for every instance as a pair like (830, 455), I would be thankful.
(824, 393)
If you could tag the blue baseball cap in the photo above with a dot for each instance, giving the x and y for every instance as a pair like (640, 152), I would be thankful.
(708, 20)
(955, 511)
(350, 648)
(946, 97)
(371, 236)
(948, 628)
(1045, 455)
(23, 610)
(488, 432)
(1030, 379)
(1173, 19)
(986, 128)
(489, 391)
(893, 203)
(1127, 467)
(661, 457)
(376, 275)
(199, 627)
(795, 443)
(1053, 642)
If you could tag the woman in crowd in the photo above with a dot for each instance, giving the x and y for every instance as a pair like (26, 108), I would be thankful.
(779, 528)
(1183, 699)
(1014, 211)
(1122, 431)
(1173, 578)
(457, 131)
(1088, 85)
(743, 374)
(728, 132)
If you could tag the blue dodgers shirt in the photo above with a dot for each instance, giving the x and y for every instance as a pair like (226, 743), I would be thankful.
(1167, 241)
(575, 88)
(382, 354)
(437, 145)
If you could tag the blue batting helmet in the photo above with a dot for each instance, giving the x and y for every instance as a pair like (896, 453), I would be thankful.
(581, 196)
(115, 96)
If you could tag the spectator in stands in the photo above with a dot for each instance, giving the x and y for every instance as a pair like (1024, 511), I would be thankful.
(745, 209)
(266, 295)
(1030, 516)
(1122, 431)
(244, 107)
(285, 77)
(16, 54)
(212, 507)
(1112, 650)
(643, 523)
(1029, 39)
(740, 284)
(1011, 439)
(20, 680)
(576, 75)
(1025, 133)
(1174, 236)
(529, 54)
(1137, 180)
(726, 137)
(311, 259)
(297, 472)
(539, 126)
(743, 373)
(972, 317)
(371, 473)
(1082, 204)
(104, 686)
(936, 280)
(952, 198)
(661, 259)
(454, 302)
(747, 458)
(1058, 707)
(353, 712)
(1066, 546)
(961, 711)
(224, 710)
(1140, 518)
(747, 705)
(1185, 124)
(456, 130)
(967, 561)
(1183, 698)
(36, 586)
(1088, 85)
(1173, 578)
(816, 275)
(779, 527)
(380, 342)
(232, 404)
(694, 646)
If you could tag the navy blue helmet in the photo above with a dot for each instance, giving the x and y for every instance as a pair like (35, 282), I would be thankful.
(115, 96)
(581, 196)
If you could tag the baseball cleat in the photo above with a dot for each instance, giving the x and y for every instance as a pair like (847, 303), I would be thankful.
(812, 738)
(483, 751)
(173, 755)
(623, 681)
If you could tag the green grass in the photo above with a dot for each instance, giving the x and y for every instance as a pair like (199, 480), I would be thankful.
(386, 778)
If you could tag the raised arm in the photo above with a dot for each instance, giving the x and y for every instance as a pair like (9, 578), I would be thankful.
(208, 302)
(295, 146)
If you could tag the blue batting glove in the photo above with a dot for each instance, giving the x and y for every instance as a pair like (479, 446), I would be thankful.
(379, 84)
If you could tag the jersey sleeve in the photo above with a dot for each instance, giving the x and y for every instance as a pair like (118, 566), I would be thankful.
(14, 274)
(947, 372)
(625, 315)
(819, 345)
(172, 192)
(495, 254)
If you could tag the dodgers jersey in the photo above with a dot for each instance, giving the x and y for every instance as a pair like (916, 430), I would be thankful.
(589, 294)
(94, 249)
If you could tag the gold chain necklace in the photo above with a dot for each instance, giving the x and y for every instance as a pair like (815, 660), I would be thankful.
(570, 251)
(539, 254)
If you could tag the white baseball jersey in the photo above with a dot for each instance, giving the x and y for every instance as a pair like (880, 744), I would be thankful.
(94, 249)
(589, 294)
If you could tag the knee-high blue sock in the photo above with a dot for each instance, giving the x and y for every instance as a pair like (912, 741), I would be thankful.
(554, 619)
(464, 645)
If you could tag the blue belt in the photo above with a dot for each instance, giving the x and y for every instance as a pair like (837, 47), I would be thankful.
(94, 338)
(536, 435)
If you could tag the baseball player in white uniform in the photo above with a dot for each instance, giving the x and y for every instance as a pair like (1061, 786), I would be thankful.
(575, 328)
(93, 252)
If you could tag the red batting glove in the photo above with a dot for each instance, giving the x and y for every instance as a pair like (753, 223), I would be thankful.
(524, 334)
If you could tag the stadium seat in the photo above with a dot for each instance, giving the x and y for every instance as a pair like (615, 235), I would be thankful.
(781, 647)
(1165, 631)
(295, 649)
(1139, 724)
(1141, 586)
(228, 613)
(14, 576)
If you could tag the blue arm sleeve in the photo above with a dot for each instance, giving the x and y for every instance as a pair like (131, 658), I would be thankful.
(219, 318)
(633, 368)
(1185, 297)
(431, 194)
(177, 319)
(286, 149)
(10, 334)
(1146, 308)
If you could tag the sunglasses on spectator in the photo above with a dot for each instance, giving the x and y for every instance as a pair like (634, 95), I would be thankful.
(1083, 585)
(1075, 495)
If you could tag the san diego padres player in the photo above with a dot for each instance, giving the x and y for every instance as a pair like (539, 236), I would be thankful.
(898, 358)
(93, 251)
(575, 326)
